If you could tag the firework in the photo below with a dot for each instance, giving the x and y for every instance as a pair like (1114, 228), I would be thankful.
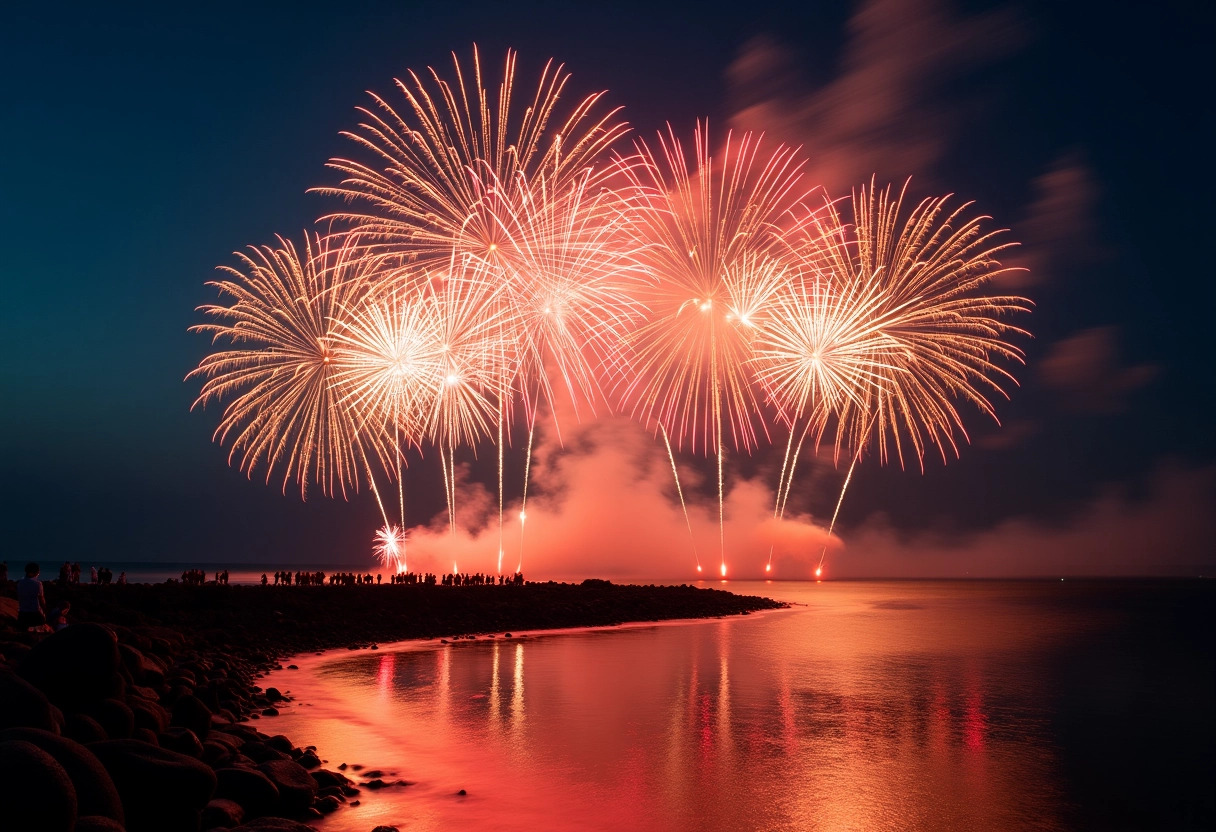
(708, 232)
(888, 330)
(390, 547)
(430, 157)
(490, 263)
(277, 372)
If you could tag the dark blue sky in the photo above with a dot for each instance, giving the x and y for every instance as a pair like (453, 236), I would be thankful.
(141, 145)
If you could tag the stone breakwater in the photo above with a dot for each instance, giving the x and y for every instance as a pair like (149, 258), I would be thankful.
(141, 714)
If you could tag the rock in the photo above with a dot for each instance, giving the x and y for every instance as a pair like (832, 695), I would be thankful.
(375, 784)
(143, 669)
(462, 793)
(292, 667)
(260, 752)
(309, 759)
(216, 754)
(386, 829)
(161, 790)
(252, 789)
(144, 735)
(84, 729)
(190, 712)
(181, 740)
(14, 652)
(97, 823)
(95, 792)
(273, 694)
(296, 786)
(325, 778)
(26, 706)
(223, 813)
(8, 609)
(270, 712)
(327, 804)
(115, 717)
(35, 791)
(279, 743)
(373, 773)
(148, 714)
(76, 666)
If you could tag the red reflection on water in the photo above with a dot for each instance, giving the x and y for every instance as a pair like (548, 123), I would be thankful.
(975, 722)
(384, 675)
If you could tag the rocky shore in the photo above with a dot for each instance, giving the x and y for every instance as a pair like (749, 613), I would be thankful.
(138, 716)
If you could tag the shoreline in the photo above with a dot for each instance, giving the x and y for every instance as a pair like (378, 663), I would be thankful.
(143, 714)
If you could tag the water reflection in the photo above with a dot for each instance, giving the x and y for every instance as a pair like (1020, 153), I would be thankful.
(926, 710)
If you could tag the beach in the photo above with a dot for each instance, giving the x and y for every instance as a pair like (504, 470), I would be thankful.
(145, 714)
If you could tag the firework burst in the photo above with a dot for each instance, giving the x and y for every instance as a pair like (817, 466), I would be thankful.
(431, 158)
(708, 234)
(277, 373)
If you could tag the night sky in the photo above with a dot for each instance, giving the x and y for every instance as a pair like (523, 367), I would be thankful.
(142, 145)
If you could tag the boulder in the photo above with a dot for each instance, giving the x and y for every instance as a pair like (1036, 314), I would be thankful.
(148, 714)
(144, 669)
(95, 823)
(327, 804)
(279, 743)
(14, 652)
(216, 754)
(95, 792)
(326, 778)
(296, 786)
(190, 712)
(222, 813)
(115, 717)
(181, 740)
(26, 706)
(35, 791)
(252, 789)
(260, 752)
(75, 667)
(8, 609)
(161, 790)
(84, 729)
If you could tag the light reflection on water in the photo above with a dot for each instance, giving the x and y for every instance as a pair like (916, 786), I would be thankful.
(911, 706)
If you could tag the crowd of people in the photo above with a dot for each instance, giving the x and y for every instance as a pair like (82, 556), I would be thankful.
(198, 577)
(288, 578)
(69, 574)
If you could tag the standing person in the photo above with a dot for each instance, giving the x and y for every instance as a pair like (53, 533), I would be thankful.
(4, 572)
(122, 578)
(31, 601)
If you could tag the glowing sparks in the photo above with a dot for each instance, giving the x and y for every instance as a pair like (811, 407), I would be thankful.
(390, 548)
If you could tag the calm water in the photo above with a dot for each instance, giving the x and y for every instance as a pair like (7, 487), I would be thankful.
(874, 706)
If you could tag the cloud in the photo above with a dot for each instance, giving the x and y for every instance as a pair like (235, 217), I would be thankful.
(1011, 435)
(1059, 233)
(884, 113)
(605, 505)
(1085, 370)
(1172, 531)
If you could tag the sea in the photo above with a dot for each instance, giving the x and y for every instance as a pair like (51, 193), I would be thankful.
(867, 705)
